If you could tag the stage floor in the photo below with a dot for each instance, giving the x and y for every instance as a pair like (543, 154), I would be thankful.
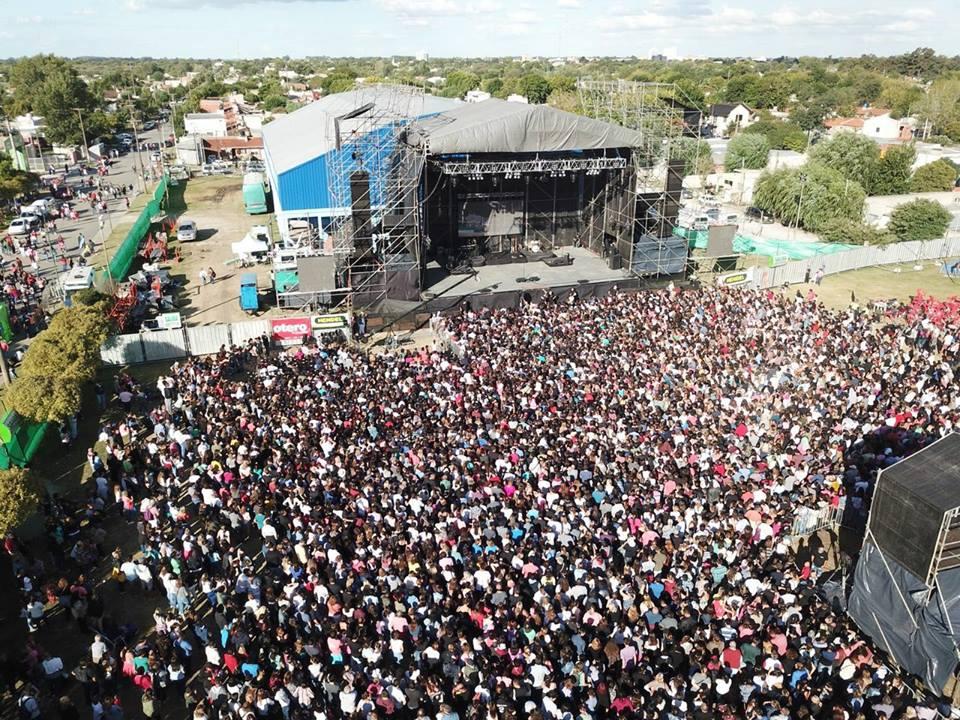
(586, 268)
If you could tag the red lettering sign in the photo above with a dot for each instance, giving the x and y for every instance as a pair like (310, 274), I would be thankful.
(290, 328)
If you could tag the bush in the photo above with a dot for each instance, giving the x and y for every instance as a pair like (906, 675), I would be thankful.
(940, 175)
(919, 220)
(19, 497)
(747, 152)
(851, 232)
(90, 296)
(780, 135)
(815, 192)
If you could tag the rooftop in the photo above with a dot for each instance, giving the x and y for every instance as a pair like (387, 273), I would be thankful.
(496, 126)
(298, 137)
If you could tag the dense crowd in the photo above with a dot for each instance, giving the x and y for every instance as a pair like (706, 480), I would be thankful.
(582, 512)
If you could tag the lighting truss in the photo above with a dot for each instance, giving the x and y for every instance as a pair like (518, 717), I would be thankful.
(515, 168)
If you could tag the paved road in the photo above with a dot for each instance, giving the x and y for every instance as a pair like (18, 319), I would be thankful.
(124, 171)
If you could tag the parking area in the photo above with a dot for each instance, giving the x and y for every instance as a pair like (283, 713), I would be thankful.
(215, 204)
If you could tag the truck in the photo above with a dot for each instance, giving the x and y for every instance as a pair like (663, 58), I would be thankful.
(254, 193)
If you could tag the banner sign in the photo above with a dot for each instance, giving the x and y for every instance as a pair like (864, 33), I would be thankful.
(737, 278)
(169, 321)
(290, 331)
(323, 323)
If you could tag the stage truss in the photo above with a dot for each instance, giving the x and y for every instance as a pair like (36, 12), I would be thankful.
(662, 113)
(370, 138)
(516, 168)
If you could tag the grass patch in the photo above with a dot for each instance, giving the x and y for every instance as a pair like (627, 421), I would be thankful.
(886, 282)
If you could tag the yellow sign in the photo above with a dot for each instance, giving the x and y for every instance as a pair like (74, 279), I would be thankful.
(328, 322)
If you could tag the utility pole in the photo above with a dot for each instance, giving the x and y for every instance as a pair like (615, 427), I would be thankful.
(83, 133)
(136, 139)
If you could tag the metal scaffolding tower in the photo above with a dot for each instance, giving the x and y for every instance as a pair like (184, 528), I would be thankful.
(373, 180)
(662, 113)
(656, 110)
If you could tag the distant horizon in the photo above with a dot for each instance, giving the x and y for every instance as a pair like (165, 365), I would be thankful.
(473, 29)
(518, 58)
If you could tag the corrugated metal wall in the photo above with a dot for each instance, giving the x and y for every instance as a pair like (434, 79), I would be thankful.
(208, 339)
(305, 186)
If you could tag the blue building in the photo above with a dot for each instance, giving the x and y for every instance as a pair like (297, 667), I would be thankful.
(300, 153)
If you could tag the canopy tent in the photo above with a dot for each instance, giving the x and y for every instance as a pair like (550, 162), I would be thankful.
(496, 126)
(250, 245)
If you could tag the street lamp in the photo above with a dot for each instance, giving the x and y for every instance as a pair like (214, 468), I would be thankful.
(83, 133)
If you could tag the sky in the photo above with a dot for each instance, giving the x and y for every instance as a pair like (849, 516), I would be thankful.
(445, 28)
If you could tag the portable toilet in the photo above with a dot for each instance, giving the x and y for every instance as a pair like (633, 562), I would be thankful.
(248, 292)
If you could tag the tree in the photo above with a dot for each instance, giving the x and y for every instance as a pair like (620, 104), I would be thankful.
(809, 196)
(748, 152)
(459, 83)
(50, 87)
(535, 88)
(14, 182)
(273, 102)
(892, 173)
(341, 79)
(851, 232)
(854, 156)
(941, 105)
(58, 362)
(939, 175)
(19, 497)
(695, 154)
(919, 220)
(810, 116)
(780, 135)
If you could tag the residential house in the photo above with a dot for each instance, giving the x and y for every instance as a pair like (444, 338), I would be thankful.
(205, 124)
(29, 126)
(884, 127)
(229, 111)
(874, 123)
(726, 118)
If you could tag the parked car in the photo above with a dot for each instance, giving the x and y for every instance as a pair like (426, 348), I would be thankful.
(756, 214)
(186, 231)
(217, 168)
(42, 207)
(23, 225)
(149, 125)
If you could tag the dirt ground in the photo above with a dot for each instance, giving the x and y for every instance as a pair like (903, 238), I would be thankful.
(216, 204)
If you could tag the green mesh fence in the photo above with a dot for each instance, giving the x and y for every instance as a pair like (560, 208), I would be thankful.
(776, 249)
(123, 256)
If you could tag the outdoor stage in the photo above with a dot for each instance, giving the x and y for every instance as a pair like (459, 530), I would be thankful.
(506, 285)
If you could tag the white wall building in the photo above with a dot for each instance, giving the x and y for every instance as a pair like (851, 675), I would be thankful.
(884, 127)
(477, 96)
(728, 117)
(205, 124)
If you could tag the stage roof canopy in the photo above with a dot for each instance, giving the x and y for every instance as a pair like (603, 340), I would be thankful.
(497, 126)
(303, 135)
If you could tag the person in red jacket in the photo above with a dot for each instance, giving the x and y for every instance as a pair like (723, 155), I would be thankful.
(732, 658)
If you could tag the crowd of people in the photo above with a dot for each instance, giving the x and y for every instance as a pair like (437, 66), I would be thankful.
(574, 510)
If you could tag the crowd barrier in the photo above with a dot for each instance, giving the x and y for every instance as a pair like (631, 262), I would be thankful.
(798, 271)
(810, 520)
(161, 345)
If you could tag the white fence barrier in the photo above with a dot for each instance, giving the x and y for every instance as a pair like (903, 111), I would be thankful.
(797, 271)
(810, 520)
(173, 344)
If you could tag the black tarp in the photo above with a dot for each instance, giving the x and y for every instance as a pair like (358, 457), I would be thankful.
(914, 627)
